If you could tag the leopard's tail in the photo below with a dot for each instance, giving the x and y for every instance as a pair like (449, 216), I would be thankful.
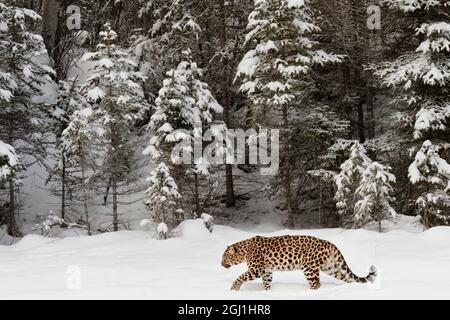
(340, 270)
(373, 274)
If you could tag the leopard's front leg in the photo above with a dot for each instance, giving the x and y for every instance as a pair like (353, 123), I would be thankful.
(251, 274)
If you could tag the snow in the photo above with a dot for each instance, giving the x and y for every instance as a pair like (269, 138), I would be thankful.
(206, 217)
(146, 222)
(95, 94)
(7, 151)
(162, 228)
(296, 3)
(431, 117)
(132, 265)
(248, 65)
(3, 27)
(193, 229)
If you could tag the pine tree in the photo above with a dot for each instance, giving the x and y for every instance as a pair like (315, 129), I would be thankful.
(69, 101)
(9, 165)
(115, 91)
(421, 77)
(275, 72)
(9, 161)
(177, 25)
(21, 74)
(77, 140)
(431, 174)
(174, 23)
(348, 180)
(163, 198)
(374, 192)
(185, 109)
(314, 165)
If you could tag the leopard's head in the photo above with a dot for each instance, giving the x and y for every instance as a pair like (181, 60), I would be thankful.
(233, 255)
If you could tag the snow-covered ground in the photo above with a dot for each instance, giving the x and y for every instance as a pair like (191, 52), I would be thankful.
(132, 264)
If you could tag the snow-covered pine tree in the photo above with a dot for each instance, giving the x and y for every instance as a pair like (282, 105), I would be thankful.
(185, 109)
(9, 161)
(347, 181)
(9, 165)
(275, 72)
(374, 193)
(178, 25)
(431, 175)
(174, 24)
(173, 28)
(21, 74)
(162, 197)
(115, 91)
(76, 141)
(314, 165)
(422, 79)
(61, 176)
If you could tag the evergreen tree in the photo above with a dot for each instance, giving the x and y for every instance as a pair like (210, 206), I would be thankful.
(163, 198)
(9, 164)
(374, 192)
(431, 174)
(174, 23)
(275, 72)
(347, 182)
(185, 109)
(213, 30)
(8, 161)
(62, 176)
(314, 166)
(21, 74)
(77, 140)
(421, 77)
(115, 91)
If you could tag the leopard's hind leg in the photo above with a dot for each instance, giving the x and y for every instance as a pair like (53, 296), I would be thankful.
(312, 275)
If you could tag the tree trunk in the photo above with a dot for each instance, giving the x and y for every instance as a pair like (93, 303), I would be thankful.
(63, 186)
(117, 12)
(50, 17)
(114, 191)
(12, 229)
(361, 125)
(287, 169)
(379, 222)
(229, 182)
(83, 177)
(114, 173)
(196, 195)
(320, 203)
(370, 113)
(231, 197)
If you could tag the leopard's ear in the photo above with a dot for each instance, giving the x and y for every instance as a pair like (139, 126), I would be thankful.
(232, 249)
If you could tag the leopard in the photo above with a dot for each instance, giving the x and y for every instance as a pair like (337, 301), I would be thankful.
(312, 255)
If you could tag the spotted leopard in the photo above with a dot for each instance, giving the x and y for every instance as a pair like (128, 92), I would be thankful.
(309, 254)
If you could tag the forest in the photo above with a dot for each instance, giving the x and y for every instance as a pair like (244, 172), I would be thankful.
(106, 97)
(141, 141)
